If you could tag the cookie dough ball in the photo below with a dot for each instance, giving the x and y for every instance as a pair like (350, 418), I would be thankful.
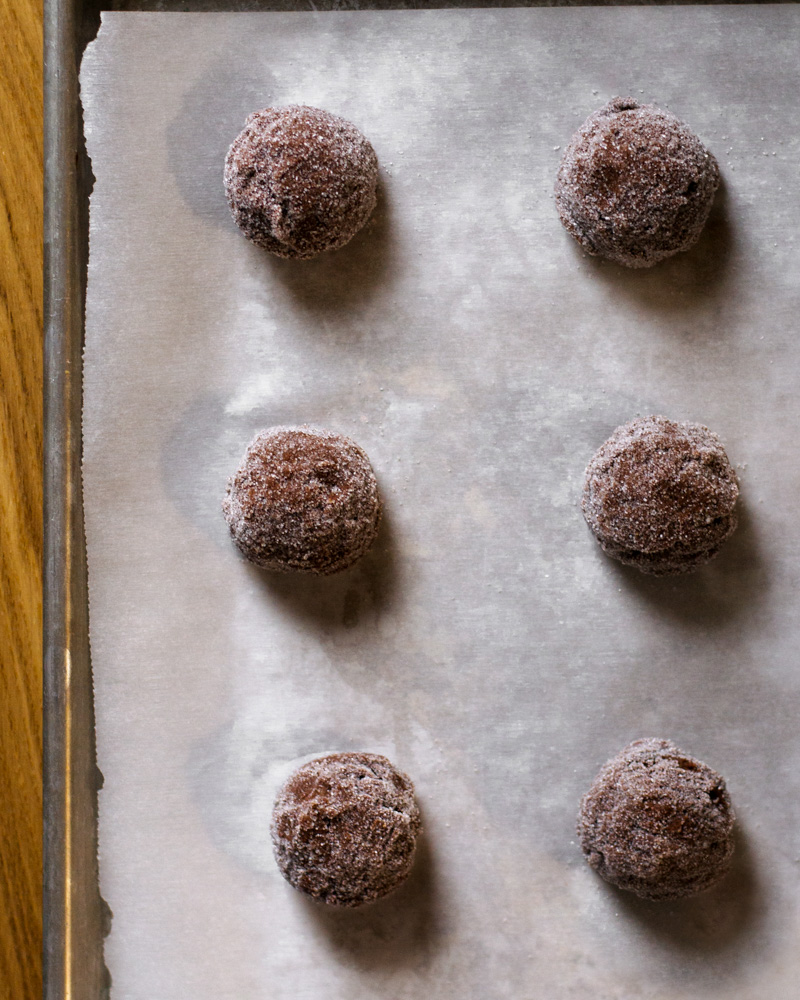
(661, 495)
(300, 180)
(657, 822)
(345, 828)
(635, 184)
(303, 499)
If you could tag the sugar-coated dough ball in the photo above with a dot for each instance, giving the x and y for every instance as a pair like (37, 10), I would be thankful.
(661, 495)
(345, 827)
(657, 822)
(300, 180)
(635, 184)
(303, 499)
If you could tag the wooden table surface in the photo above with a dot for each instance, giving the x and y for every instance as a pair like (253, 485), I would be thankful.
(20, 498)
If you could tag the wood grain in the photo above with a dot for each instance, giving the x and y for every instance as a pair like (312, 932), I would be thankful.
(20, 497)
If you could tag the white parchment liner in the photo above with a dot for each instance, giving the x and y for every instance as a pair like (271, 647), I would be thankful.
(486, 645)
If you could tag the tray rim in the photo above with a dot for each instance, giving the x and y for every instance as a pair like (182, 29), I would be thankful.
(72, 908)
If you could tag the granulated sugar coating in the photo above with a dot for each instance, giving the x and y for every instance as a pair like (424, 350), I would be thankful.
(300, 180)
(345, 827)
(661, 495)
(635, 184)
(303, 499)
(657, 822)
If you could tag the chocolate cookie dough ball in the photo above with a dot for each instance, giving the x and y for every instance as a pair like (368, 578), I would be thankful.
(635, 184)
(303, 499)
(661, 495)
(657, 822)
(300, 180)
(345, 828)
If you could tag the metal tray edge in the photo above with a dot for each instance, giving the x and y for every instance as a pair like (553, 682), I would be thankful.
(74, 915)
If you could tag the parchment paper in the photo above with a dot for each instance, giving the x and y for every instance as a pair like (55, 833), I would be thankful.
(486, 645)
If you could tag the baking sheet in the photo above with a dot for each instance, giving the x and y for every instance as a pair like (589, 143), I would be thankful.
(485, 645)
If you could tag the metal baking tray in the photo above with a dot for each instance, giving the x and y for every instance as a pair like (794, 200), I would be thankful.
(75, 917)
